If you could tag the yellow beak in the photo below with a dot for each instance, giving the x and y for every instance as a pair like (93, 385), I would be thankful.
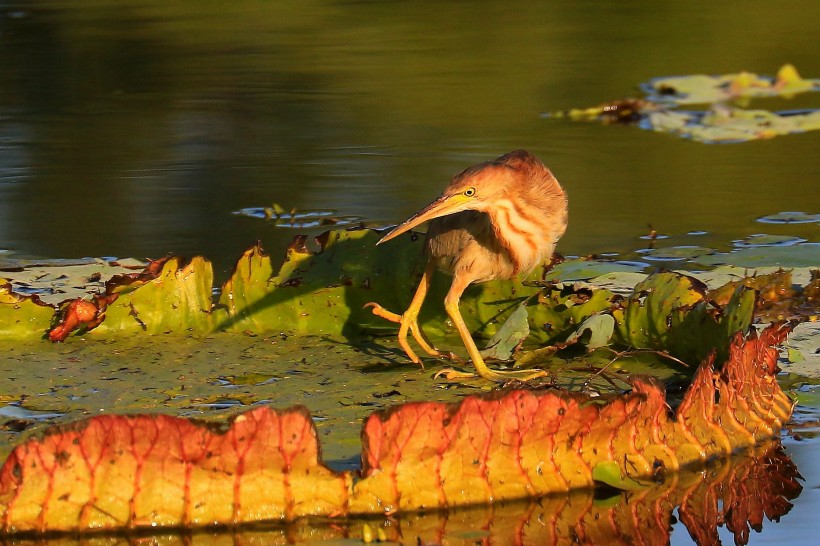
(444, 205)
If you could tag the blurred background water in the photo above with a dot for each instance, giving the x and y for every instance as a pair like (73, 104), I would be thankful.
(136, 128)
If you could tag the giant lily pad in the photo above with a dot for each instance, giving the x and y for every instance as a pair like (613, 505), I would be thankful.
(22, 316)
(131, 472)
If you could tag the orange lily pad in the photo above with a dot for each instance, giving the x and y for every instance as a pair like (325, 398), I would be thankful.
(127, 472)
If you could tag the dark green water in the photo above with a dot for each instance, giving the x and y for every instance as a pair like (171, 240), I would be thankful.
(136, 128)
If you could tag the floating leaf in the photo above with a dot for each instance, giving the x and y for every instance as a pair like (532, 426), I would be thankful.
(799, 255)
(670, 312)
(127, 472)
(22, 316)
(321, 292)
(169, 296)
(701, 89)
(117, 472)
(761, 239)
(600, 326)
(718, 124)
(512, 334)
(609, 473)
(306, 219)
(790, 218)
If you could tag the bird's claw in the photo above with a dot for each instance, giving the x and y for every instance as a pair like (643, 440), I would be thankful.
(380, 311)
(451, 374)
(410, 324)
(504, 376)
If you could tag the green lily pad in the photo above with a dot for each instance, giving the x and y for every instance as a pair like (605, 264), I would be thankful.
(177, 300)
(669, 312)
(583, 270)
(703, 89)
(790, 218)
(762, 239)
(676, 253)
(799, 255)
(511, 334)
(22, 316)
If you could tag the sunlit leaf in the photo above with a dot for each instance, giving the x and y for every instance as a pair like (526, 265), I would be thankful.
(670, 312)
(126, 472)
(702, 89)
(170, 296)
(609, 473)
(22, 316)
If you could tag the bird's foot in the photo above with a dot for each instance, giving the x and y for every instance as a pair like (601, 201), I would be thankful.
(380, 311)
(408, 323)
(451, 374)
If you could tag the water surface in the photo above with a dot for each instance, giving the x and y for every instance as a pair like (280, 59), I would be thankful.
(136, 128)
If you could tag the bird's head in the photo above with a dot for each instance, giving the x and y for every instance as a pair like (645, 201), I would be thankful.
(478, 188)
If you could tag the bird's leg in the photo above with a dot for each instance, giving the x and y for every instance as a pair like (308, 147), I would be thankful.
(408, 321)
(460, 283)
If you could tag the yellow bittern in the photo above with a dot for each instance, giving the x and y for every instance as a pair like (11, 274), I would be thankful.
(495, 220)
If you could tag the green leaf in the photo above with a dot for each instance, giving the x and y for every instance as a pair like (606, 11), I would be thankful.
(177, 299)
(22, 316)
(670, 312)
(609, 473)
(514, 331)
(601, 326)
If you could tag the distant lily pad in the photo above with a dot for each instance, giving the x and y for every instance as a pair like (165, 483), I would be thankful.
(675, 253)
(583, 270)
(798, 255)
(790, 218)
(724, 121)
(762, 239)
(303, 219)
(703, 89)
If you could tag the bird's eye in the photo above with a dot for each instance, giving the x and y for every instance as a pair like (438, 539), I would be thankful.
(469, 192)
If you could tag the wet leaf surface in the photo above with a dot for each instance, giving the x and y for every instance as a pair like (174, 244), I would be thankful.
(117, 471)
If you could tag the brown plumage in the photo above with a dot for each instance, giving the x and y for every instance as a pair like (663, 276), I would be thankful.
(494, 220)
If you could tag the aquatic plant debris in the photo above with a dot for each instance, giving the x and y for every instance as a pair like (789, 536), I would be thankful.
(126, 472)
(299, 219)
(726, 118)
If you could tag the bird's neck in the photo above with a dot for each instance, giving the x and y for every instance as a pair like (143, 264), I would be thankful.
(522, 233)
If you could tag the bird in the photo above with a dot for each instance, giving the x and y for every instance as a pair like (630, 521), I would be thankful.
(495, 220)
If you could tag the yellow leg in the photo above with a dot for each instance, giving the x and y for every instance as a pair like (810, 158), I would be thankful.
(451, 306)
(408, 321)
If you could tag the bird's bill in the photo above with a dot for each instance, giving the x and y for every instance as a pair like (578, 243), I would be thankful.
(444, 205)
